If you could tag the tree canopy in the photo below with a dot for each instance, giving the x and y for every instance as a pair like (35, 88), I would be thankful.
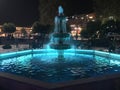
(110, 27)
(107, 8)
(8, 28)
(91, 29)
(48, 9)
(37, 27)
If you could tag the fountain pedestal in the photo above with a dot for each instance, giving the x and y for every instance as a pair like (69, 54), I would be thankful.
(60, 54)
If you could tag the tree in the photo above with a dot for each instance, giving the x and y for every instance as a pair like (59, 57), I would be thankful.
(37, 27)
(48, 10)
(8, 28)
(42, 30)
(118, 26)
(91, 29)
(107, 8)
(109, 27)
(23, 32)
(84, 33)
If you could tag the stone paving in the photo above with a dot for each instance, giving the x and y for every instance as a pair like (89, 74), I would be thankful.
(14, 48)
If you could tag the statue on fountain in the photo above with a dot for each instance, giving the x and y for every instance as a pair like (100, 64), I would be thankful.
(60, 21)
(60, 10)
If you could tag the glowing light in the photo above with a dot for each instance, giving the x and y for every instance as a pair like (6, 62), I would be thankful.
(93, 20)
(82, 18)
(60, 10)
(73, 16)
(76, 17)
(73, 25)
(90, 17)
(67, 19)
(75, 28)
(79, 28)
(48, 51)
(111, 17)
(115, 62)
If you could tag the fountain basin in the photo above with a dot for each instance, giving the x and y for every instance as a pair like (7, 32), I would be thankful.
(108, 62)
(51, 51)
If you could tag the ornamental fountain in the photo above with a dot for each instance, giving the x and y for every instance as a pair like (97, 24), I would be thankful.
(42, 68)
(61, 38)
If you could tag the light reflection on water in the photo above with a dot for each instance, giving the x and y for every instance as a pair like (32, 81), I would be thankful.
(46, 67)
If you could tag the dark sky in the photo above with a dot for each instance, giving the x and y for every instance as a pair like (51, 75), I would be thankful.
(79, 7)
(25, 12)
(19, 12)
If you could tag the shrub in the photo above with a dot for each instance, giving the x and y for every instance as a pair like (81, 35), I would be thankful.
(7, 46)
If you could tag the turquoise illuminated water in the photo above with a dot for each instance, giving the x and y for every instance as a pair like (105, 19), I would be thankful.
(47, 68)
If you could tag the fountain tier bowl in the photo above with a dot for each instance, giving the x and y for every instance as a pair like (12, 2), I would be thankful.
(61, 35)
(60, 46)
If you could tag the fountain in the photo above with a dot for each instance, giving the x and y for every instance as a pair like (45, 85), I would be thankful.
(60, 64)
(60, 35)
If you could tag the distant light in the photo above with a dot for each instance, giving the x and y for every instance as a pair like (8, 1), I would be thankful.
(101, 16)
(79, 28)
(87, 15)
(111, 17)
(76, 17)
(97, 32)
(75, 28)
(82, 18)
(2, 35)
(30, 30)
(73, 25)
(73, 16)
(90, 17)
(67, 19)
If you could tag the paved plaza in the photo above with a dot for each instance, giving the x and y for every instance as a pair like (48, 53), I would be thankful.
(14, 48)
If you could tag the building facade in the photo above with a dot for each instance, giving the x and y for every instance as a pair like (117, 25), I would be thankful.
(79, 23)
(18, 33)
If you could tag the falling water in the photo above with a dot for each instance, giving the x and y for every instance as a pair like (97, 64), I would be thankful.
(60, 37)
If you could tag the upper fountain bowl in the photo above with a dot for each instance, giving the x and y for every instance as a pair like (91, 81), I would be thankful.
(60, 46)
(61, 35)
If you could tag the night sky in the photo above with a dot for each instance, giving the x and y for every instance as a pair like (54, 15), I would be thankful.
(25, 12)
(79, 7)
(19, 12)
